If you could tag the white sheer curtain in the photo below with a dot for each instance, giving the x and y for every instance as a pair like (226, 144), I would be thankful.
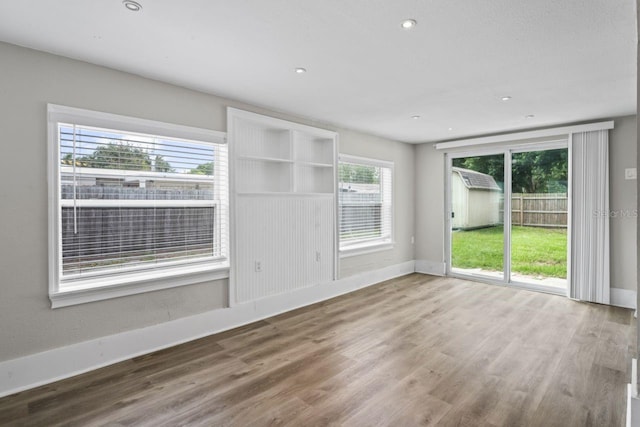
(589, 266)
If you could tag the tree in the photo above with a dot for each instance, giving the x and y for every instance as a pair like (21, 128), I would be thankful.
(491, 165)
(114, 155)
(203, 169)
(531, 172)
(540, 171)
(358, 173)
(161, 165)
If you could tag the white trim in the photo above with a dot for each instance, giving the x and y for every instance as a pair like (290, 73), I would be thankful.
(633, 408)
(366, 248)
(63, 292)
(368, 161)
(53, 180)
(448, 208)
(136, 203)
(42, 368)
(231, 166)
(633, 401)
(123, 174)
(146, 283)
(569, 211)
(336, 218)
(272, 122)
(622, 298)
(431, 267)
(507, 198)
(64, 114)
(542, 133)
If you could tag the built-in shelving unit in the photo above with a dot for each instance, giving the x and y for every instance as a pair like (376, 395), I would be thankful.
(283, 193)
(273, 158)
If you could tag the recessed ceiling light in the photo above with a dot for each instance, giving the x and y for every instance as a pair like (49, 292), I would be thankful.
(415, 117)
(529, 116)
(407, 24)
(133, 6)
(505, 98)
(301, 70)
(450, 129)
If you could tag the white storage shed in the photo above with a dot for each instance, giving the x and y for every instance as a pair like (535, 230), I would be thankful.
(475, 199)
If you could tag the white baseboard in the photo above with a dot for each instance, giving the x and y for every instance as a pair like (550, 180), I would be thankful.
(630, 404)
(42, 368)
(430, 267)
(633, 402)
(622, 298)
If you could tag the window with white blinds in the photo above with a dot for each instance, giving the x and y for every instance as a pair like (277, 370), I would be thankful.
(131, 206)
(365, 202)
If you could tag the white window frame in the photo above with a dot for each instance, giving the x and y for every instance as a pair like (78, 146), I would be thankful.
(369, 245)
(134, 282)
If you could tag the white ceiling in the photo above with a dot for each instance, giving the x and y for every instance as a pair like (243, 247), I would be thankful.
(562, 61)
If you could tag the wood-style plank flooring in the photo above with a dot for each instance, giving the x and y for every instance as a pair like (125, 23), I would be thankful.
(417, 350)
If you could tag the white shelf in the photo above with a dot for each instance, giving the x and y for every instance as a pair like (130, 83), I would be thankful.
(316, 165)
(277, 157)
(265, 159)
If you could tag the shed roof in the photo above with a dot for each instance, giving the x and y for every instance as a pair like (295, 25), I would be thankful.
(477, 180)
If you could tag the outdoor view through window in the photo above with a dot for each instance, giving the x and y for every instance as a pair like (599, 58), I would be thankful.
(539, 182)
(130, 202)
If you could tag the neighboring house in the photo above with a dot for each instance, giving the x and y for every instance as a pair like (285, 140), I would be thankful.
(475, 199)
(87, 177)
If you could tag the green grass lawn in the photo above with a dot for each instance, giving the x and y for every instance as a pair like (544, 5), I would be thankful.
(535, 251)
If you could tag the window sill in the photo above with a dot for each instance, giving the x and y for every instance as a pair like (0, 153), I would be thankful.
(366, 248)
(98, 290)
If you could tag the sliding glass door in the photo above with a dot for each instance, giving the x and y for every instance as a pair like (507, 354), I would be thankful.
(477, 221)
(508, 214)
(539, 207)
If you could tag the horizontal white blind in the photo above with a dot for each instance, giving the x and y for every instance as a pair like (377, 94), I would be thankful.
(130, 202)
(365, 203)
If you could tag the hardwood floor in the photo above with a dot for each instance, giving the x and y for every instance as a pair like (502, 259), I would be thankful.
(418, 350)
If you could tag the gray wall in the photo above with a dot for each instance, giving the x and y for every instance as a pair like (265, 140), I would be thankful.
(622, 151)
(402, 155)
(430, 181)
(623, 202)
(28, 81)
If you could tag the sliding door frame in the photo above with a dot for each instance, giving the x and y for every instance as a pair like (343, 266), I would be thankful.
(449, 156)
(507, 150)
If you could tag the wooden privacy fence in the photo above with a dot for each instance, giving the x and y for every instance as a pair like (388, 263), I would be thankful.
(359, 213)
(95, 236)
(538, 209)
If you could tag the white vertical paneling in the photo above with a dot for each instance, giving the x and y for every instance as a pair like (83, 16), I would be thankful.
(285, 235)
(252, 139)
(590, 217)
(258, 176)
(309, 148)
(314, 179)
